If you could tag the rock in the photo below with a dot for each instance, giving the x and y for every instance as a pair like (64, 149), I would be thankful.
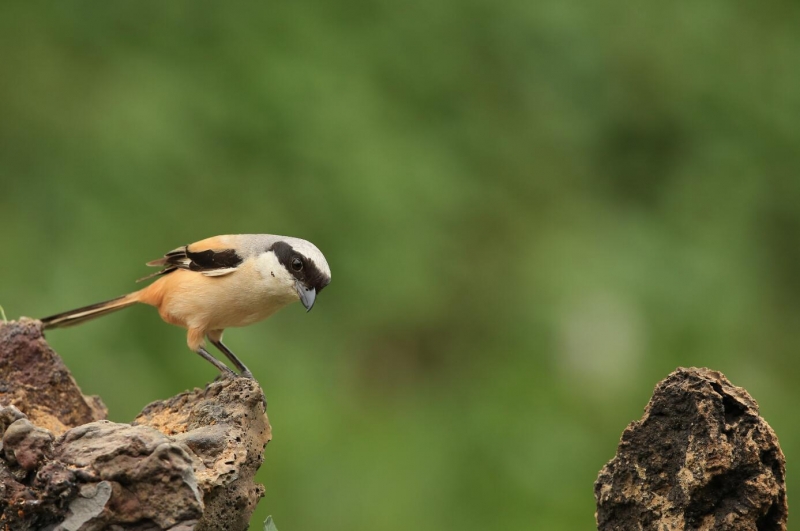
(9, 415)
(143, 473)
(26, 445)
(186, 463)
(35, 380)
(700, 458)
(226, 429)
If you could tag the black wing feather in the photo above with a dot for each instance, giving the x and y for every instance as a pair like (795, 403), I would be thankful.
(209, 260)
(201, 261)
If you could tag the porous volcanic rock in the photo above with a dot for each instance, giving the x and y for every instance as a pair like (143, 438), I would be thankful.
(185, 463)
(701, 458)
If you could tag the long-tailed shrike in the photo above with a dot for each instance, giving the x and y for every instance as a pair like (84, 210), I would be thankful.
(222, 282)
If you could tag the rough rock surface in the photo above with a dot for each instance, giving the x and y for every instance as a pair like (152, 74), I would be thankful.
(700, 459)
(186, 463)
(33, 377)
(226, 430)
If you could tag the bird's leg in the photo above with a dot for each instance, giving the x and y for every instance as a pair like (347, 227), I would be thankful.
(223, 369)
(231, 356)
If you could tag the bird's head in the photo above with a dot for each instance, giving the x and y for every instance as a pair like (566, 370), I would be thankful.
(304, 269)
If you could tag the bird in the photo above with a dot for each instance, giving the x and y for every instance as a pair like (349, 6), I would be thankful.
(218, 283)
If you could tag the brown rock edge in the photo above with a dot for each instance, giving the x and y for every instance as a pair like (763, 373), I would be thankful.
(701, 458)
(186, 463)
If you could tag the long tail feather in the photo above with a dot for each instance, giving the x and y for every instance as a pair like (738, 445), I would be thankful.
(81, 315)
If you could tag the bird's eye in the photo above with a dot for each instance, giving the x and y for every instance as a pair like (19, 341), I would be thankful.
(297, 264)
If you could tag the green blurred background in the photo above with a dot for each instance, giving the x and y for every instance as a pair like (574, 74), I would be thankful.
(533, 211)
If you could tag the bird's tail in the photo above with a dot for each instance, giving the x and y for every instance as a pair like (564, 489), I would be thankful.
(81, 315)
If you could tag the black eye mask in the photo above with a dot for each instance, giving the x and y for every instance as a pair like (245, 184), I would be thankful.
(309, 274)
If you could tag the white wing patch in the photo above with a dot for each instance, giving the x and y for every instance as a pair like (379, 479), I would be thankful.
(218, 272)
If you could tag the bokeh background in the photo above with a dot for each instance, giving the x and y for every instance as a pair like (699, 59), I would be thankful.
(533, 211)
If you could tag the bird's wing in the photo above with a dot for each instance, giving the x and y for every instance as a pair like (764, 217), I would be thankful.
(208, 257)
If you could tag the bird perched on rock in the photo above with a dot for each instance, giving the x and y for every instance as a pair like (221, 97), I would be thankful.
(222, 282)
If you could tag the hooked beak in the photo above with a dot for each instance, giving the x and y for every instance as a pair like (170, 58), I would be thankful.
(307, 295)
